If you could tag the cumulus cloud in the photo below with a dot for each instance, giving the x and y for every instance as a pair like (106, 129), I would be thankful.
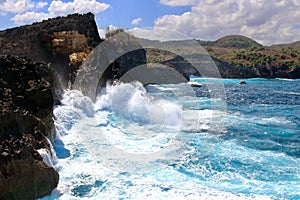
(60, 8)
(16, 6)
(136, 21)
(80, 6)
(178, 2)
(41, 4)
(157, 33)
(271, 21)
(29, 17)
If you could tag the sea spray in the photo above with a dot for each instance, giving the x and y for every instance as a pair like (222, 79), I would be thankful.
(49, 156)
(130, 101)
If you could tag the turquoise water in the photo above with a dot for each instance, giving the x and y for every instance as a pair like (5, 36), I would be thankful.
(163, 142)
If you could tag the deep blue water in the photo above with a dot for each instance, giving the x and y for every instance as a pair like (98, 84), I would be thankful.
(244, 146)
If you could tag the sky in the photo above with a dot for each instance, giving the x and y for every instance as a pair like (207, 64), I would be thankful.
(266, 21)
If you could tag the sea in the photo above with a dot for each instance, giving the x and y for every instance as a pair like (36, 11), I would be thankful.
(180, 141)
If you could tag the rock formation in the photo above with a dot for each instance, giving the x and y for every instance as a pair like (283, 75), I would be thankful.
(228, 70)
(26, 99)
(62, 42)
(29, 88)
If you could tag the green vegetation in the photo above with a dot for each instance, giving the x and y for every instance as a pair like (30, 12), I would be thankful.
(238, 51)
(112, 31)
(236, 41)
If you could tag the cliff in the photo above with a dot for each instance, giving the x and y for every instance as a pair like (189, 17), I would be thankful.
(26, 99)
(236, 57)
(36, 62)
(29, 88)
(62, 42)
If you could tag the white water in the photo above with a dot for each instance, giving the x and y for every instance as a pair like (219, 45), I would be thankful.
(121, 146)
(49, 156)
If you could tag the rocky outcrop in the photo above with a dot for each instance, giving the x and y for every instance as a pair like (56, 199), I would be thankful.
(26, 99)
(227, 70)
(63, 42)
(29, 89)
(295, 73)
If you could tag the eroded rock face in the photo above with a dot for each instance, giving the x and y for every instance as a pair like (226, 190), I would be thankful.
(26, 100)
(227, 70)
(54, 41)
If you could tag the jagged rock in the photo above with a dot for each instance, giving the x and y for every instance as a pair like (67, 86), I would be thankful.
(26, 100)
(54, 41)
(27, 86)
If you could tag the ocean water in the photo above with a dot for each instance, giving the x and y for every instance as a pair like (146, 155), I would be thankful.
(162, 142)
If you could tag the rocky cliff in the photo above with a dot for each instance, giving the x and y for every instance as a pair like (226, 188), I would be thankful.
(28, 91)
(229, 70)
(36, 62)
(62, 42)
(26, 99)
(235, 56)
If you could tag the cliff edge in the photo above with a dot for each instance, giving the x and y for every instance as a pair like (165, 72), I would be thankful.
(62, 42)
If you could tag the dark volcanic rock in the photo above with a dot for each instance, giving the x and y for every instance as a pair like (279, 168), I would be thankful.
(25, 85)
(295, 73)
(26, 100)
(227, 70)
(63, 42)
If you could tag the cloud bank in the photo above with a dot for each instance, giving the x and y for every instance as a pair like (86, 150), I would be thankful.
(56, 8)
(272, 21)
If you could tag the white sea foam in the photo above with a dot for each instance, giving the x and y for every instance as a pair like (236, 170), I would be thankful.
(130, 101)
(48, 157)
(126, 109)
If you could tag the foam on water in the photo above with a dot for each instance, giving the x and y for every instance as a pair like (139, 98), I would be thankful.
(130, 101)
(241, 163)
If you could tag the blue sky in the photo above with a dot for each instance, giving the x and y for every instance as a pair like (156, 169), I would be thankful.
(122, 12)
(267, 21)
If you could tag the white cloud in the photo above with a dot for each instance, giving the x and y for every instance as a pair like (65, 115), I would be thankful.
(16, 6)
(271, 21)
(41, 4)
(30, 17)
(178, 2)
(59, 8)
(136, 21)
(156, 33)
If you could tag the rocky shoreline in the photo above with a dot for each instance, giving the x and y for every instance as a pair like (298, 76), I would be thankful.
(26, 98)
(36, 62)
